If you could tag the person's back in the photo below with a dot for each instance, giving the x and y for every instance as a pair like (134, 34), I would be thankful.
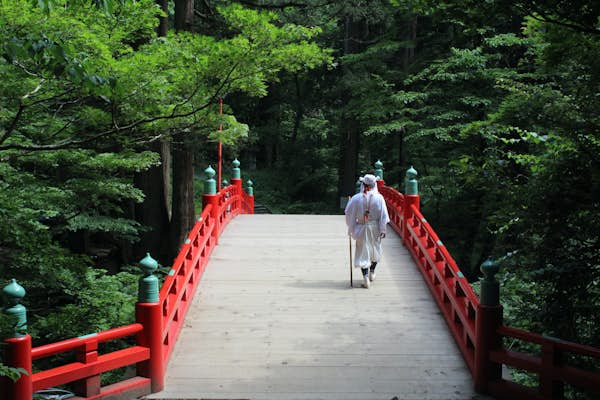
(366, 218)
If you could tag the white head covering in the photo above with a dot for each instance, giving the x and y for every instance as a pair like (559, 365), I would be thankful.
(371, 181)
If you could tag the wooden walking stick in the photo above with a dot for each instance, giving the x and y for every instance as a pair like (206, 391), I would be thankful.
(350, 246)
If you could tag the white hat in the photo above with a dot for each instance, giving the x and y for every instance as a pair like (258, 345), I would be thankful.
(369, 179)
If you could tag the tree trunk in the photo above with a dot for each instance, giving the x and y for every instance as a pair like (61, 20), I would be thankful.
(299, 110)
(183, 157)
(400, 163)
(411, 38)
(153, 212)
(349, 130)
(349, 162)
(163, 22)
(183, 195)
(184, 15)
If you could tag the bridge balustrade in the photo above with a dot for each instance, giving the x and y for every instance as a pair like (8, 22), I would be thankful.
(159, 321)
(476, 322)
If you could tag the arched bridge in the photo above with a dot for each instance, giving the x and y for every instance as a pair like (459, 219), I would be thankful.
(260, 307)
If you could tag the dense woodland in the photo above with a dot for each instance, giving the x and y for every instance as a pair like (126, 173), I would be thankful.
(109, 114)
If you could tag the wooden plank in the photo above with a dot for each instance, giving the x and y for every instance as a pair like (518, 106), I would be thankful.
(275, 318)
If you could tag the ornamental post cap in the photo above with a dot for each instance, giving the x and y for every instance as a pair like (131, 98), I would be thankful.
(210, 172)
(489, 268)
(225, 183)
(411, 172)
(249, 183)
(236, 163)
(13, 292)
(148, 264)
(378, 164)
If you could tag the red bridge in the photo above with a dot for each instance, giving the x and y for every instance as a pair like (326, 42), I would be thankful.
(346, 360)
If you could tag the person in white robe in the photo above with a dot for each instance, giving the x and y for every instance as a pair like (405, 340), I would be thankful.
(367, 218)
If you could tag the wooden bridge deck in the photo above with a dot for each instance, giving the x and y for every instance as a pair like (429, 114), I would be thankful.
(275, 318)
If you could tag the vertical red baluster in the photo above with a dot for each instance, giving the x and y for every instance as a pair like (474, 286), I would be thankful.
(18, 348)
(18, 355)
(487, 322)
(148, 313)
(86, 354)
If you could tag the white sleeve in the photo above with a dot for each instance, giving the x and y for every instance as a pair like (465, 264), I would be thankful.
(350, 212)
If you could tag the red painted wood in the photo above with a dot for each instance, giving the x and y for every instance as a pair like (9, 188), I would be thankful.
(158, 328)
(128, 389)
(87, 354)
(551, 367)
(18, 355)
(150, 316)
(489, 318)
(71, 344)
(478, 330)
(77, 370)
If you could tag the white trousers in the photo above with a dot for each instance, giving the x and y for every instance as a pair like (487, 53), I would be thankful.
(368, 246)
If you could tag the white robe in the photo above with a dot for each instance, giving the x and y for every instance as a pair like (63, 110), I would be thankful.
(367, 234)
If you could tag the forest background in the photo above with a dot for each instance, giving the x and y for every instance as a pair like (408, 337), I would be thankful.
(109, 112)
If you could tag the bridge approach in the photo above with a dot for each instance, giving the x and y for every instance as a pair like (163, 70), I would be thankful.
(275, 318)
(259, 307)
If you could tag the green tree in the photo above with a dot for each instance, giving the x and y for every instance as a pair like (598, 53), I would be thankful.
(86, 90)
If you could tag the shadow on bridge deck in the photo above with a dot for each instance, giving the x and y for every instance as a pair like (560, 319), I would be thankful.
(275, 318)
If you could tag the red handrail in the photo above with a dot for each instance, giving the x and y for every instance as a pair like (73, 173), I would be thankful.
(175, 297)
(449, 287)
(549, 364)
(481, 345)
(89, 364)
(179, 286)
(51, 349)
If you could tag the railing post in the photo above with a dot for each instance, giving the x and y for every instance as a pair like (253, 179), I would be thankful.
(90, 386)
(148, 313)
(210, 196)
(551, 358)
(236, 180)
(488, 320)
(379, 169)
(379, 174)
(18, 348)
(250, 191)
(411, 198)
(235, 171)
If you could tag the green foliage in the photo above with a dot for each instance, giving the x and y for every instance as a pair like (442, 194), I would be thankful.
(12, 373)
(86, 86)
(98, 301)
(499, 116)
(7, 330)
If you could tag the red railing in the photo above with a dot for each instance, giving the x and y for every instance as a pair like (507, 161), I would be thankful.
(550, 364)
(84, 374)
(477, 328)
(179, 287)
(157, 328)
(447, 284)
